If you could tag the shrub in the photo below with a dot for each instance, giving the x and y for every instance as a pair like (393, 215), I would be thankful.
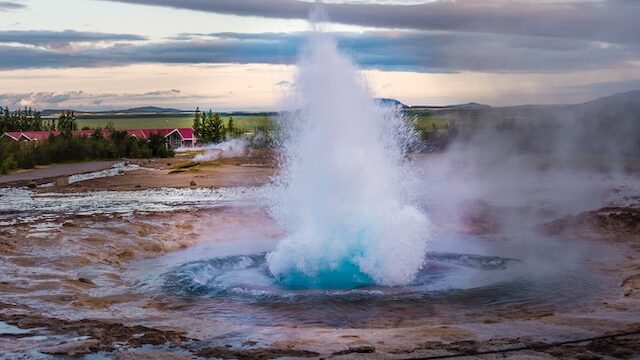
(64, 148)
(8, 164)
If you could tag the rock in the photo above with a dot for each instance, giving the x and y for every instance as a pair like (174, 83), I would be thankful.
(631, 285)
(73, 348)
(356, 350)
(229, 353)
(192, 183)
(62, 181)
(86, 281)
(151, 355)
(607, 223)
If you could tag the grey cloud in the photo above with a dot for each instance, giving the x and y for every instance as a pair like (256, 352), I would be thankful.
(14, 100)
(603, 88)
(413, 51)
(613, 21)
(437, 52)
(163, 92)
(10, 5)
(56, 39)
(84, 100)
(283, 83)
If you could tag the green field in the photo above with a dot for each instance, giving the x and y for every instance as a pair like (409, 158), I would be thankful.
(245, 123)
(424, 122)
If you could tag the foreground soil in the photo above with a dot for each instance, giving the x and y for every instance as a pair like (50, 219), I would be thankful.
(183, 172)
(63, 289)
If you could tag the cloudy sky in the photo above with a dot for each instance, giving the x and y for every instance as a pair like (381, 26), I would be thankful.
(240, 54)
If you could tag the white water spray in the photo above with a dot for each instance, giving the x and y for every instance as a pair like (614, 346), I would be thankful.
(344, 197)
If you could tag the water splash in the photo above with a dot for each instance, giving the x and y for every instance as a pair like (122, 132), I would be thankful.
(344, 195)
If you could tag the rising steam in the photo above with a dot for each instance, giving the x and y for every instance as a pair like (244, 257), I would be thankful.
(343, 195)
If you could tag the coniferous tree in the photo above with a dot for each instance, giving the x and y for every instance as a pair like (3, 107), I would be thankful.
(67, 122)
(217, 128)
(206, 127)
(231, 130)
(197, 124)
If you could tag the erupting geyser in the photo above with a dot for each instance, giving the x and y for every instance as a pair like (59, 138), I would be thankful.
(344, 196)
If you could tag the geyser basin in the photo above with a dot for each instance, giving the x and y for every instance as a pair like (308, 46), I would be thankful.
(239, 288)
(248, 277)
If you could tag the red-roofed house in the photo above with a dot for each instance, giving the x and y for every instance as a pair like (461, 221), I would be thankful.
(137, 133)
(28, 135)
(13, 135)
(180, 137)
(38, 135)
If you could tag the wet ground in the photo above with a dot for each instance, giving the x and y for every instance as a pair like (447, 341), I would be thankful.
(179, 273)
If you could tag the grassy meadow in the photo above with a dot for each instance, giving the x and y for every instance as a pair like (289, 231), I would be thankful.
(425, 121)
(245, 123)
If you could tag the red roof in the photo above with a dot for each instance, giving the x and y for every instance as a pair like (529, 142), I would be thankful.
(83, 133)
(105, 132)
(185, 133)
(38, 135)
(15, 135)
(148, 132)
(137, 133)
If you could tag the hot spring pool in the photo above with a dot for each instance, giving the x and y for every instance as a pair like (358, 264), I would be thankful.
(239, 288)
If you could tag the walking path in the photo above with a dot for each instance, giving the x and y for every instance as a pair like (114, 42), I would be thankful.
(52, 172)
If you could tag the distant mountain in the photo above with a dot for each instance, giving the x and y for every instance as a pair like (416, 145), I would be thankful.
(48, 112)
(390, 103)
(147, 109)
(137, 110)
(469, 106)
(615, 107)
(605, 126)
(627, 102)
(623, 104)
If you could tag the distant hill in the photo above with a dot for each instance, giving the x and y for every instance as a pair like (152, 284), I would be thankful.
(605, 126)
(618, 105)
(627, 103)
(147, 109)
(390, 103)
(622, 105)
(469, 106)
(49, 112)
(150, 110)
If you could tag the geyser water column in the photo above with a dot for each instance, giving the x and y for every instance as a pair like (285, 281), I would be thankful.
(344, 195)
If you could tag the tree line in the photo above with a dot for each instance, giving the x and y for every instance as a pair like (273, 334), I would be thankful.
(210, 128)
(65, 147)
(28, 119)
